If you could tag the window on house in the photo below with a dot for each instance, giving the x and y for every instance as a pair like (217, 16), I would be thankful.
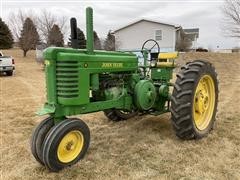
(158, 35)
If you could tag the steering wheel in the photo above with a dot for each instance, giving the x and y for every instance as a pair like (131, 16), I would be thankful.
(155, 44)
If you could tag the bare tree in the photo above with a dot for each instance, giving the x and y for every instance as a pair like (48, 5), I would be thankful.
(231, 10)
(46, 21)
(16, 21)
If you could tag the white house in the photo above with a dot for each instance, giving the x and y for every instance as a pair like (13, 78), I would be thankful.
(132, 36)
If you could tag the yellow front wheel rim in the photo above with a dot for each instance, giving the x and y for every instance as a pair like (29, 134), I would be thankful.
(70, 146)
(204, 102)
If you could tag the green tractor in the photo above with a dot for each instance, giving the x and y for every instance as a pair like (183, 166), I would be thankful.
(81, 81)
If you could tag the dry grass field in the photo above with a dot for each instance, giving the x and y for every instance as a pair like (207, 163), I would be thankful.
(144, 147)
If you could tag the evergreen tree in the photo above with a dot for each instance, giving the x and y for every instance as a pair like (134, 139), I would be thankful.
(109, 44)
(55, 37)
(81, 39)
(6, 39)
(97, 42)
(29, 36)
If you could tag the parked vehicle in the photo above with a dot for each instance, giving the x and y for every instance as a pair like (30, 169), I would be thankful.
(7, 64)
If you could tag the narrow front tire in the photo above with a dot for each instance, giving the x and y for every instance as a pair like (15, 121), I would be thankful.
(66, 144)
(38, 137)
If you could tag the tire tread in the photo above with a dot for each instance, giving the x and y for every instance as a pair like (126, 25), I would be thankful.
(181, 98)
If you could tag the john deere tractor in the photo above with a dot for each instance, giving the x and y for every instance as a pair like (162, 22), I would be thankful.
(81, 81)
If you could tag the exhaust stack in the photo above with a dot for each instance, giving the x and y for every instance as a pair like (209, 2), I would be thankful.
(74, 40)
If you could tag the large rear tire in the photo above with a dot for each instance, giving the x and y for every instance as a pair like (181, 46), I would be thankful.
(194, 100)
(119, 115)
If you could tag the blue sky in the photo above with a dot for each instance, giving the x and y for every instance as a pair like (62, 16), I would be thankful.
(203, 14)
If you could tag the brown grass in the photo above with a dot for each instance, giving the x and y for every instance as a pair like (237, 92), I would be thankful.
(141, 148)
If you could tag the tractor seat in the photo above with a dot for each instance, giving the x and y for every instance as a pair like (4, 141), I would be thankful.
(171, 55)
(166, 60)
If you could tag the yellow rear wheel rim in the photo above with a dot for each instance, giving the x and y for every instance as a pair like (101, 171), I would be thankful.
(70, 146)
(204, 102)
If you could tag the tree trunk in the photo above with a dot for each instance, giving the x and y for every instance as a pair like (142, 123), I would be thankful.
(25, 53)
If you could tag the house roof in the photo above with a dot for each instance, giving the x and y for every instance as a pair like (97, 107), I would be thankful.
(148, 20)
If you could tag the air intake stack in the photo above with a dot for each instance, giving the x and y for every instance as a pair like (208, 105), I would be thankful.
(89, 22)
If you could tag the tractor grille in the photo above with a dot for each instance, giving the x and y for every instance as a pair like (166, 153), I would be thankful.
(67, 79)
